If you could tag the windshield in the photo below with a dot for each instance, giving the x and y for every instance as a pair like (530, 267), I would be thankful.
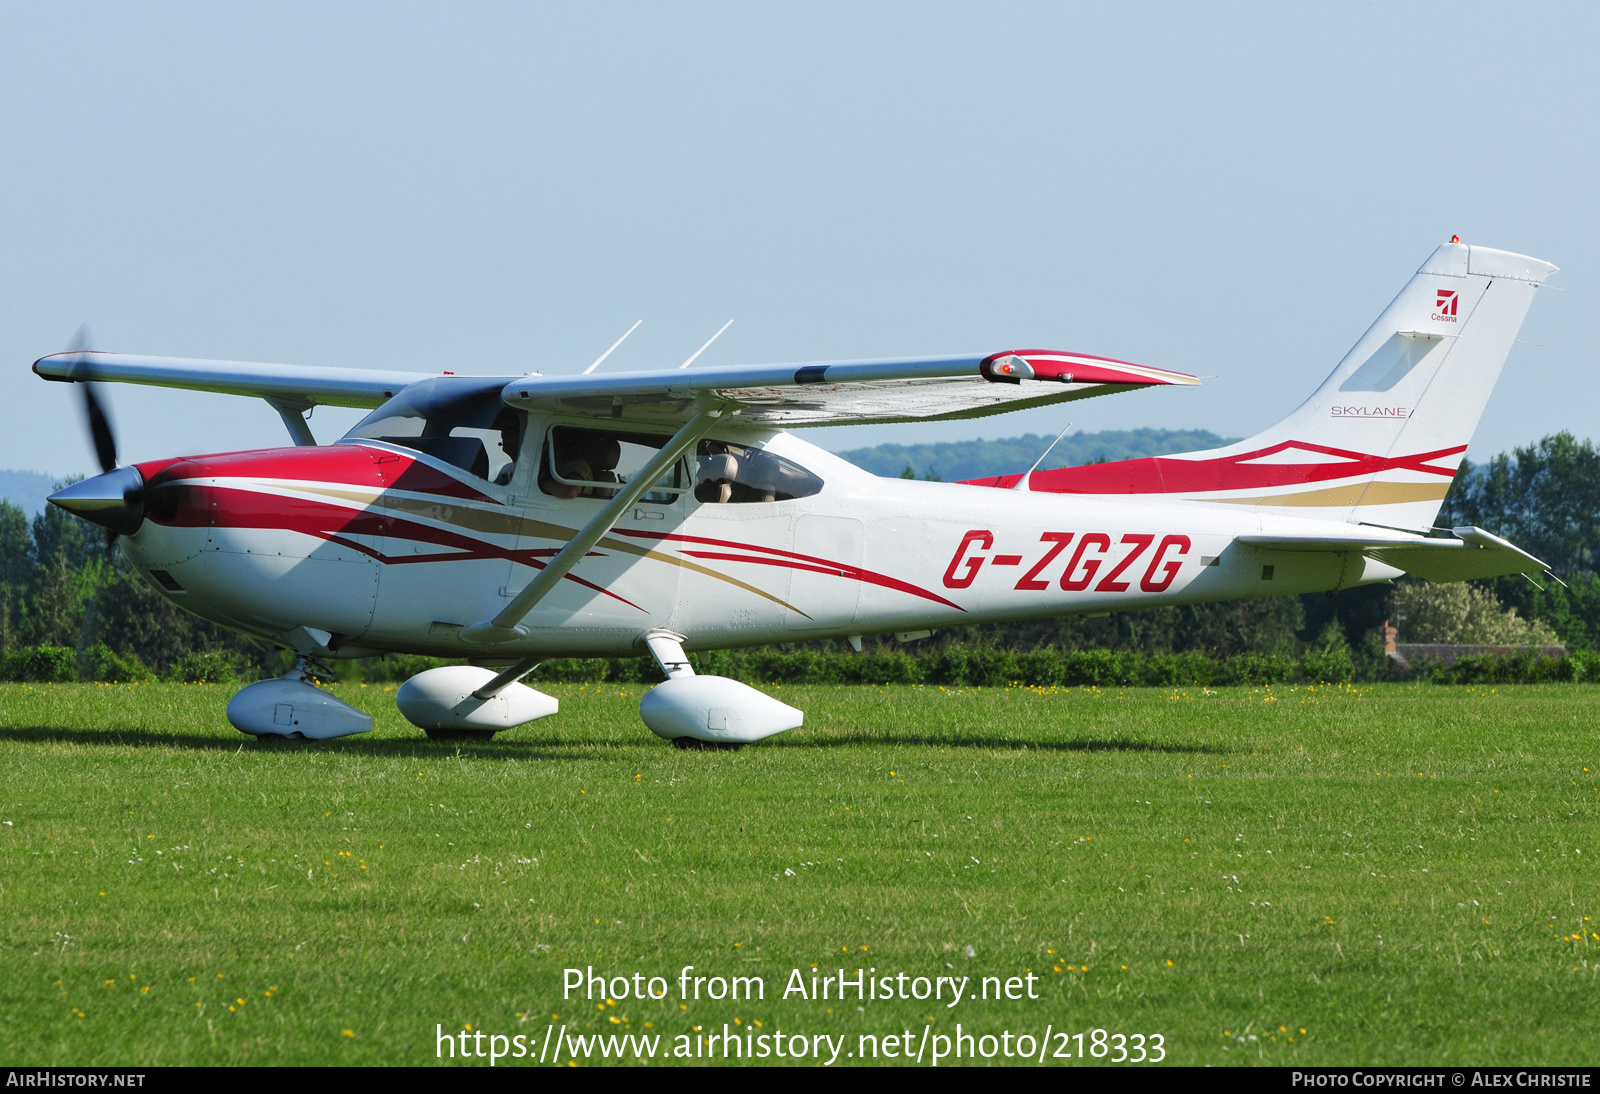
(458, 421)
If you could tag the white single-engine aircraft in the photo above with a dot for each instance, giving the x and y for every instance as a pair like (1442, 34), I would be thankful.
(504, 519)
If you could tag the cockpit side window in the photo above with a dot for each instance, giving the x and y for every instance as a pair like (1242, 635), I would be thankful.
(462, 425)
(728, 473)
(578, 462)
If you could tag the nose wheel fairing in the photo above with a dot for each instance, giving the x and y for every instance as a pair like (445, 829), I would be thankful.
(291, 706)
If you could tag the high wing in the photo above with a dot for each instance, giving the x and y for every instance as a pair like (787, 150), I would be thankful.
(903, 389)
(895, 389)
(296, 385)
(1474, 553)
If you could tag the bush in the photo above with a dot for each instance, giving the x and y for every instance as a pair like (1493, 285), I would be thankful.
(1516, 669)
(1585, 665)
(1102, 668)
(1192, 669)
(396, 667)
(105, 665)
(206, 667)
(878, 667)
(1328, 665)
(1463, 613)
(1256, 668)
(40, 665)
(570, 670)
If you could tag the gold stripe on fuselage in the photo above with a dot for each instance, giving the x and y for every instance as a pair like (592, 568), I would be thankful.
(1342, 497)
(506, 523)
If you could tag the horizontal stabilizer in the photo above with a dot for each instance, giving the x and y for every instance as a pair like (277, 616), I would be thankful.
(1473, 554)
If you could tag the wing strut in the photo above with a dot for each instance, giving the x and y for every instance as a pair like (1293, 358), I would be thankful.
(505, 627)
(294, 420)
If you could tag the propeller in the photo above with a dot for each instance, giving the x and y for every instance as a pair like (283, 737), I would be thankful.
(115, 498)
(105, 441)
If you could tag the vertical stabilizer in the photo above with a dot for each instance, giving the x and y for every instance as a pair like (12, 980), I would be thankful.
(1381, 439)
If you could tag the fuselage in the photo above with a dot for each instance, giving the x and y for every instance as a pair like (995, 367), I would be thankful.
(368, 546)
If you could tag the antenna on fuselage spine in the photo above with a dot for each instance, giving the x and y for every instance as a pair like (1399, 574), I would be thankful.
(614, 345)
(1022, 483)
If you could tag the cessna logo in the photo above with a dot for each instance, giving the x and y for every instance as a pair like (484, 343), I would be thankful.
(1445, 306)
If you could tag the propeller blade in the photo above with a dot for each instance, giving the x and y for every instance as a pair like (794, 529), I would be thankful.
(80, 340)
(100, 431)
(105, 443)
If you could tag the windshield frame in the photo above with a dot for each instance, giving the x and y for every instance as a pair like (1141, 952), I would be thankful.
(444, 405)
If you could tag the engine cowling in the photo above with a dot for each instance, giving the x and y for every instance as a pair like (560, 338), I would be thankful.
(442, 698)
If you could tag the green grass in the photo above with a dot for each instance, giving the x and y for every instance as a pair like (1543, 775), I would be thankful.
(1403, 873)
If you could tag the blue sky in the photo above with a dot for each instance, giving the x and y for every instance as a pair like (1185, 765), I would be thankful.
(1231, 190)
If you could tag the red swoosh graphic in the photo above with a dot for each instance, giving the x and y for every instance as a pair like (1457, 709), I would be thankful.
(788, 560)
(239, 508)
(1166, 475)
(339, 464)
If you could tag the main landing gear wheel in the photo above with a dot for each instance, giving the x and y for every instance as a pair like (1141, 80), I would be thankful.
(693, 744)
(461, 734)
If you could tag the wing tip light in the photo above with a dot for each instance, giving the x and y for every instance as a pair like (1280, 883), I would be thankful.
(1014, 366)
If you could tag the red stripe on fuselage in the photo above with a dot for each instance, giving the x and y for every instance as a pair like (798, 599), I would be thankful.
(1169, 475)
(236, 507)
(338, 465)
(787, 559)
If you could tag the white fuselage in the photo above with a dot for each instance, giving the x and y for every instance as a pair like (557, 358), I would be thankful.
(382, 566)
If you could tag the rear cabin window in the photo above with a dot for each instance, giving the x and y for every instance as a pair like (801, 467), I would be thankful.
(462, 425)
(731, 474)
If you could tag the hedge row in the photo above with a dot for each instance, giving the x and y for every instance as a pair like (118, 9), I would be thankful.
(969, 667)
(959, 666)
(58, 664)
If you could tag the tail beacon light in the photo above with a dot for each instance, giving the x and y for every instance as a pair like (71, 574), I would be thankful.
(714, 708)
(443, 698)
(289, 707)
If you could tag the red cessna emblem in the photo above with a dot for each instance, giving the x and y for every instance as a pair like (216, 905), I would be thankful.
(1445, 306)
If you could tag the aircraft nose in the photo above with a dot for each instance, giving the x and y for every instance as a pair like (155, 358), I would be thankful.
(114, 500)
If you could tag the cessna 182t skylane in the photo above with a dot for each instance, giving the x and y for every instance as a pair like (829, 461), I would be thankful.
(509, 518)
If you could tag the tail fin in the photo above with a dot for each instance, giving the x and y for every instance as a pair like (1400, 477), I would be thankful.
(1380, 440)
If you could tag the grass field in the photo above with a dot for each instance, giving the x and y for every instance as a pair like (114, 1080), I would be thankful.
(1384, 874)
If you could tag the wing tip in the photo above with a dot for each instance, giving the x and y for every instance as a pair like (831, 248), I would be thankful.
(1087, 368)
